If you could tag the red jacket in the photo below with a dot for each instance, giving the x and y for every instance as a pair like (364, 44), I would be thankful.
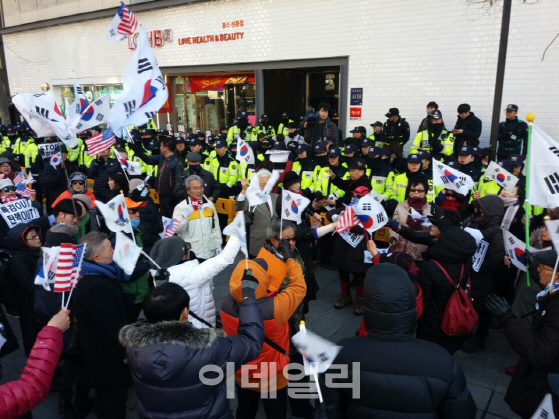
(19, 397)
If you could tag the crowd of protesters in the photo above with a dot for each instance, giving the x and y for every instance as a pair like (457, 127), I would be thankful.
(158, 327)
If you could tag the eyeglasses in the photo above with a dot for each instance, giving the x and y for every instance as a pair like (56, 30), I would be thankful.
(450, 195)
(78, 182)
(5, 165)
(9, 188)
(133, 211)
(289, 239)
(417, 190)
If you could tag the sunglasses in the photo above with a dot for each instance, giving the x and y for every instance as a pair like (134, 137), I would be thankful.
(417, 190)
(133, 211)
(78, 182)
(9, 188)
(450, 195)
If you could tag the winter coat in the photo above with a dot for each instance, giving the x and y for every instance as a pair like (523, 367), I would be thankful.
(344, 255)
(19, 397)
(262, 219)
(54, 179)
(453, 250)
(67, 195)
(100, 311)
(196, 277)
(472, 130)
(168, 181)
(150, 225)
(493, 263)
(401, 216)
(99, 171)
(200, 229)
(349, 186)
(329, 133)
(538, 347)
(165, 359)
(406, 377)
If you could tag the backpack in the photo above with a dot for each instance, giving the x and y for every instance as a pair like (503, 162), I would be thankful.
(459, 316)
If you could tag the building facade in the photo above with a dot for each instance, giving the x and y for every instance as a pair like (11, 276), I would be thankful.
(272, 56)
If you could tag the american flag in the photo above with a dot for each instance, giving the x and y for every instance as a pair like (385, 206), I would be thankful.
(171, 228)
(63, 279)
(20, 178)
(23, 190)
(128, 22)
(348, 220)
(101, 142)
(77, 263)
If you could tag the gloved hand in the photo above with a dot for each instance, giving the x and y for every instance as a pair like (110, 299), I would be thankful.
(286, 250)
(437, 211)
(393, 224)
(249, 218)
(499, 308)
(437, 146)
(162, 275)
(248, 284)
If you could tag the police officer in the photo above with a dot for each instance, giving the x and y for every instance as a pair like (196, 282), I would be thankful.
(324, 183)
(265, 127)
(225, 169)
(377, 171)
(436, 140)
(306, 168)
(284, 124)
(320, 152)
(466, 160)
(359, 134)
(242, 130)
(396, 129)
(292, 135)
(378, 137)
(350, 151)
(517, 163)
(223, 132)
(513, 134)
(365, 145)
(398, 192)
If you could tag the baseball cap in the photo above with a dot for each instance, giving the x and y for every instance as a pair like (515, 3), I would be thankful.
(361, 191)
(436, 114)
(350, 148)
(302, 148)
(292, 125)
(477, 151)
(466, 151)
(266, 143)
(319, 148)
(357, 163)
(506, 164)
(284, 115)
(511, 108)
(279, 145)
(367, 143)
(516, 159)
(423, 155)
(264, 116)
(221, 144)
(223, 127)
(200, 134)
(386, 152)
(359, 129)
(196, 141)
(195, 157)
(133, 204)
(334, 152)
(242, 115)
(373, 151)
(392, 112)
(414, 158)
(162, 132)
(453, 164)
(376, 124)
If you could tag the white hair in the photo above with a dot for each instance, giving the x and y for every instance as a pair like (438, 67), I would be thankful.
(264, 173)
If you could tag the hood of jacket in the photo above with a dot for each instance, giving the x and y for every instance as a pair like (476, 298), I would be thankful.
(494, 209)
(16, 237)
(161, 352)
(389, 309)
(453, 246)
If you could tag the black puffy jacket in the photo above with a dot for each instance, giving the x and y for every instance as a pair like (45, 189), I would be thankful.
(453, 250)
(166, 358)
(400, 376)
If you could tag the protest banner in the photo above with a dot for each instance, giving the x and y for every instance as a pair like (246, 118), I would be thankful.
(19, 211)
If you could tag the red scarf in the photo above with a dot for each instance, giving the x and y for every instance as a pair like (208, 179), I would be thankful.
(196, 204)
(417, 204)
(6, 199)
(451, 204)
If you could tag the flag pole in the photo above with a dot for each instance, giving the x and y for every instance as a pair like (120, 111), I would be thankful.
(68, 180)
(530, 118)
(62, 300)
(69, 296)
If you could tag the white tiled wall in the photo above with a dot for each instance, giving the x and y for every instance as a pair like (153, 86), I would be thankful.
(403, 53)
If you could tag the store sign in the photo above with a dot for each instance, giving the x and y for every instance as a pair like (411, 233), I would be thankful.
(354, 113)
(201, 83)
(356, 97)
(218, 37)
(157, 38)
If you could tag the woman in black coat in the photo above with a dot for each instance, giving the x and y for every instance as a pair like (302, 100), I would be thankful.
(538, 345)
(25, 243)
(349, 257)
(453, 251)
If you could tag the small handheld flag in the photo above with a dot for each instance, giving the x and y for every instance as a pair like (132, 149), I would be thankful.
(370, 213)
(257, 196)
(348, 220)
(515, 249)
(245, 153)
(237, 229)
(101, 142)
(115, 214)
(501, 176)
(123, 24)
(293, 205)
(126, 253)
(450, 178)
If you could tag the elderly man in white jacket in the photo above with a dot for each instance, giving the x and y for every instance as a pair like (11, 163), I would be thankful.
(198, 221)
(173, 254)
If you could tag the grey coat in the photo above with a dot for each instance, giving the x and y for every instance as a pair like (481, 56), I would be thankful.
(262, 220)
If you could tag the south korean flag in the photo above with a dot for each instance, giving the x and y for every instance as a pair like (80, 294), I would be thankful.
(450, 178)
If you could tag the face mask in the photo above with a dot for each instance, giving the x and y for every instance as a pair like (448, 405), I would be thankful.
(194, 168)
(243, 123)
(135, 223)
(509, 201)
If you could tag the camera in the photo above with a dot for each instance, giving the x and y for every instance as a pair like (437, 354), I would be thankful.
(311, 116)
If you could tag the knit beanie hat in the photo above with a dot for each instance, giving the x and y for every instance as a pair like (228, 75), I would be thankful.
(167, 252)
(60, 233)
(259, 269)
